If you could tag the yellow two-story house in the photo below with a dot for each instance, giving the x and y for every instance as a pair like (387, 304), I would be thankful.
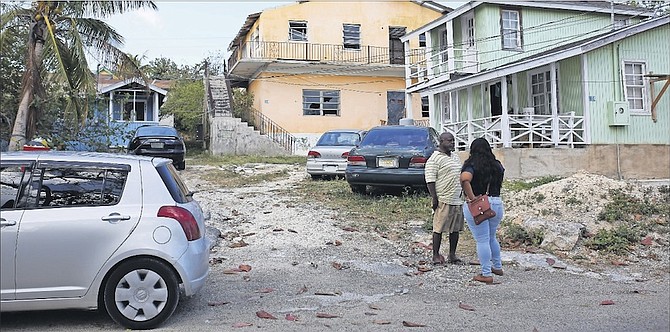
(313, 66)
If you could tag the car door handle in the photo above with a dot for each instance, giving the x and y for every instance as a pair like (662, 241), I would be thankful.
(115, 217)
(5, 222)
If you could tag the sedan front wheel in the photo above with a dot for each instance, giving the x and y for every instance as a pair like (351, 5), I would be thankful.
(141, 294)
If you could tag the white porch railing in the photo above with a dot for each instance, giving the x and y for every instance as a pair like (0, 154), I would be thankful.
(437, 64)
(524, 131)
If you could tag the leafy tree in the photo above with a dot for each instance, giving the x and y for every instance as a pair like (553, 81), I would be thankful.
(242, 106)
(12, 49)
(59, 35)
(164, 69)
(185, 103)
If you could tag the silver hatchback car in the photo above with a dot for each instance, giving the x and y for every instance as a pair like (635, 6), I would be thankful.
(329, 156)
(93, 230)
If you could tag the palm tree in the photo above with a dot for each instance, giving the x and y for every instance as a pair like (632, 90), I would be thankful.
(60, 35)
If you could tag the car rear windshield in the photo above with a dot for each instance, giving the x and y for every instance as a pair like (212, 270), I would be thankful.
(173, 182)
(156, 131)
(338, 139)
(396, 137)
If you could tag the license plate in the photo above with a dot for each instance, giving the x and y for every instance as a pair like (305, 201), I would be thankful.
(330, 168)
(387, 162)
(158, 145)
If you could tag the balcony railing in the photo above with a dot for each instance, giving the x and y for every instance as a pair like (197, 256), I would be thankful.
(437, 64)
(300, 51)
(522, 130)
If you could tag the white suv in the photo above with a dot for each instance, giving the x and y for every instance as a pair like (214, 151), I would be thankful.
(94, 230)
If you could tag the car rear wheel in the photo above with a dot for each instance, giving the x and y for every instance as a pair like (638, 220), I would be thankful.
(181, 166)
(357, 189)
(141, 294)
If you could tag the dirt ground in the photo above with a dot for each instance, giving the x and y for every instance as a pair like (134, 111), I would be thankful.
(284, 264)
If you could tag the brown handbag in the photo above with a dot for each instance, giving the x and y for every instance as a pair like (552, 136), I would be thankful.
(480, 208)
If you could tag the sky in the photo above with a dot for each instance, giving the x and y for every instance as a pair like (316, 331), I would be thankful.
(189, 31)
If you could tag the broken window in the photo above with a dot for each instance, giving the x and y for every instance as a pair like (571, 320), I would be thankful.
(321, 102)
(297, 30)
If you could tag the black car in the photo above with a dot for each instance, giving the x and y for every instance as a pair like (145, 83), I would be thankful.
(391, 156)
(159, 141)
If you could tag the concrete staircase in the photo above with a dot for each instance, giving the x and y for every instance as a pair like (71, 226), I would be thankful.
(230, 135)
(220, 96)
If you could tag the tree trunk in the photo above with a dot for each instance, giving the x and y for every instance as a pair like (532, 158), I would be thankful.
(30, 79)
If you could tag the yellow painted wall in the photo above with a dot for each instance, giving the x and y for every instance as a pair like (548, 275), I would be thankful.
(325, 19)
(362, 101)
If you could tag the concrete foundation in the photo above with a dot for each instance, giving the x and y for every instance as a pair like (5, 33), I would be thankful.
(617, 162)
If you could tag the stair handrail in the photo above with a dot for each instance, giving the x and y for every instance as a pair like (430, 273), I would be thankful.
(267, 127)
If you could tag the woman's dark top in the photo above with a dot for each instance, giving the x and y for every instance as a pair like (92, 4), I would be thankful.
(480, 181)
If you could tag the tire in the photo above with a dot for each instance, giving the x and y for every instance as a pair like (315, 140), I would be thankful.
(316, 177)
(134, 303)
(181, 166)
(357, 189)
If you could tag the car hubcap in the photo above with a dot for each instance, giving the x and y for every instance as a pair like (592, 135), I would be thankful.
(141, 295)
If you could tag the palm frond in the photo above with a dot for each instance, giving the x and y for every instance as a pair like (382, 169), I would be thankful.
(104, 9)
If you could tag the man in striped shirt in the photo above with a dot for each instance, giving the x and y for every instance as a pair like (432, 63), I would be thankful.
(442, 174)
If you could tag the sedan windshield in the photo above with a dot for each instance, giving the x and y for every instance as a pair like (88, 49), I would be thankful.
(396, 137)
(338, 139)
(156, 131)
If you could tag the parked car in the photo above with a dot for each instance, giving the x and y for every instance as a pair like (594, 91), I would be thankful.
(159, 141)
(84, 230)
(391, 156)
(329, 156)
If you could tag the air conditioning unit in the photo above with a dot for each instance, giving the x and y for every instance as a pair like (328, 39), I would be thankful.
(618, 113)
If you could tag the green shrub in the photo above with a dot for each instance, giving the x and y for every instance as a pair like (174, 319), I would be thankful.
(519, 185)
(616, 241)
(623, 207)
(517, 234)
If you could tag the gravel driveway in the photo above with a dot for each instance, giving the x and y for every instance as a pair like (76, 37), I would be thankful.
(276, 256)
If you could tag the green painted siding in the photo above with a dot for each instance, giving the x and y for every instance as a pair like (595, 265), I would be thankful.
(604, 84)
(570, 86)
(542, 29)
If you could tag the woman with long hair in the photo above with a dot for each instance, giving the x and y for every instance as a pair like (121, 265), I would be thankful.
(481, 174)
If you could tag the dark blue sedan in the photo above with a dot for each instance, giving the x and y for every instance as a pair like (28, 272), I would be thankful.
(391, 156)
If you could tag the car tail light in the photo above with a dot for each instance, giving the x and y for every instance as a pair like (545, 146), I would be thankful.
(417, 162)
(356, 161)
(345, 155)
(313, 154)
(185, 219)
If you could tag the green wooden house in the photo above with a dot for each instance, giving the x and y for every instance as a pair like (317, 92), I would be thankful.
(545, 74)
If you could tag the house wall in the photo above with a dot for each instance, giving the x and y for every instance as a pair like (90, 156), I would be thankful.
(570, 92)
(538, 34)
(325, 19)
(608, 160)
(604, 85)
(362, 103)
(363, 100)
